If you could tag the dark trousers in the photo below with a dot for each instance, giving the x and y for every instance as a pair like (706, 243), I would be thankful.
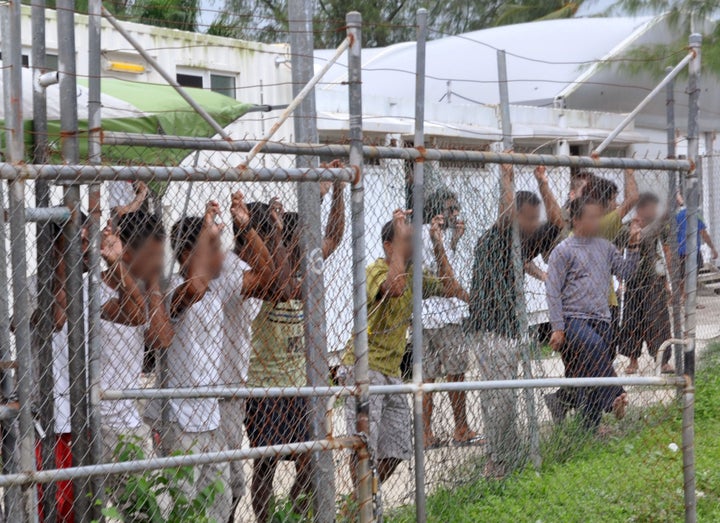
(587, 353)
(646, 318)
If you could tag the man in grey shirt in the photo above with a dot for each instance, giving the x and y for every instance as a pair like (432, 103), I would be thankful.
(578, 271)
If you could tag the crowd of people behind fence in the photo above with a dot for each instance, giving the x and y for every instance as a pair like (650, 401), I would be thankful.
(236, 318)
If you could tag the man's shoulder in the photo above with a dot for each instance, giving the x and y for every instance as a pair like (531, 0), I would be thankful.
(378, 265)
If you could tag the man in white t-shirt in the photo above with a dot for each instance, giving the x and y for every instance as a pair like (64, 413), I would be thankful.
(445, 351)
(206, 288)
(132, 316)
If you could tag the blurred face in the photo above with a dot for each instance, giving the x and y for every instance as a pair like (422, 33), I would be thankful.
(216, 257)
(451, 213)
(401, 245)
(528, 217)
(647, 213)
(588, 224)
(147, 261)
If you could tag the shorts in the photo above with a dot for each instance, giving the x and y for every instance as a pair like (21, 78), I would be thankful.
(444, 352)
(232, 417)
(276, 421)
(390, 428)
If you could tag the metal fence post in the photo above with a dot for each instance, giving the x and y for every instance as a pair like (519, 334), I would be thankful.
(301, 44)
(357, 203)
(519, 273)
(42, 340)
(417, 261)
(673, 262)
(21, 452)
(73, 256)
(691, 270)
(94, 157)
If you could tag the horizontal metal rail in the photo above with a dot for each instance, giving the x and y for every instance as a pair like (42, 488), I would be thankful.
(103, 173)
(188, 460)
(400, 153)
(405, 388)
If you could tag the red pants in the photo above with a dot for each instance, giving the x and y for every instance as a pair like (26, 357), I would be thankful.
(64, 495)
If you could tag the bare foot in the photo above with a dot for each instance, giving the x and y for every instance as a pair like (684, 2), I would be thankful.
(464, 435)
(619, 406)
(494, 471)
(667, 369)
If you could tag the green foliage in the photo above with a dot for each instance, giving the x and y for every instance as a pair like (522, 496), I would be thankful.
(530, 11)
(632, 477)
(139, 499)
(683, 16)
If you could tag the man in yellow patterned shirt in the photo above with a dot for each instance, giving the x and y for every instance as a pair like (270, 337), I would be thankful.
(390, 298)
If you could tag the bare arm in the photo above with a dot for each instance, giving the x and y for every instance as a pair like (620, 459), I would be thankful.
(506, 210)
(705, 235)
(335, 227)
(141, 194)
(129, 307)
(195, 268)
(535, 271)
(451, 287)
(160, 332)
(631, 193)
(552, 208)
(396, 281)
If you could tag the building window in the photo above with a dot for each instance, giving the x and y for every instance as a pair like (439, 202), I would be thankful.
(189, 80)
(25, 60)
(223, 84)
(51, 62)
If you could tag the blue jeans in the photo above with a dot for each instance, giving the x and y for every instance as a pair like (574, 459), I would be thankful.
(587, 353)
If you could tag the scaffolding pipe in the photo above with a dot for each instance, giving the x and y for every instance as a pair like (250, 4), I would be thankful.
(397, 153)
(167, 76)
(406, 388)
(185, 460)
(353, 21)
(94, 227)
(102, 173)
(640, 106)
(418, 208)
(307, 89)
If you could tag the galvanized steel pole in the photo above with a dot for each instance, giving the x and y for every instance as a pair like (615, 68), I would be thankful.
(313, 284)
(357, 209)
(674, 261)
(18, 441)
(73, 257)
(692, 196)
(418, 201)
(46, 262)
(519, 273)
(94, 306)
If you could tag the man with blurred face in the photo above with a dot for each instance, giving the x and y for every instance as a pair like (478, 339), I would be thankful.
(646, 318)
(444, 343)
(389, 291)
(578, 271)
(493, 323)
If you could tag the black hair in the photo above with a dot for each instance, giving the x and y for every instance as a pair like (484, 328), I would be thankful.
(387, 233)
(578, 179)
(577, 207)
(526, 198)
(435, 203)
(291, 227)
(56, 229)
(601, 190)
(647, 198)
(135, 228)
(184, 234)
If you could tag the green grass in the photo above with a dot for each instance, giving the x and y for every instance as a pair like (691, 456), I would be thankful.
(633, 477)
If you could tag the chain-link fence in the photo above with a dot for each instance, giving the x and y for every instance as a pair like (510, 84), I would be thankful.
(414, 329)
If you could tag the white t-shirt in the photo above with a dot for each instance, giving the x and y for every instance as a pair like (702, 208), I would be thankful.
(196, 353)
(121, 356)
(437, 311)
(237, 328)
(60, 370)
